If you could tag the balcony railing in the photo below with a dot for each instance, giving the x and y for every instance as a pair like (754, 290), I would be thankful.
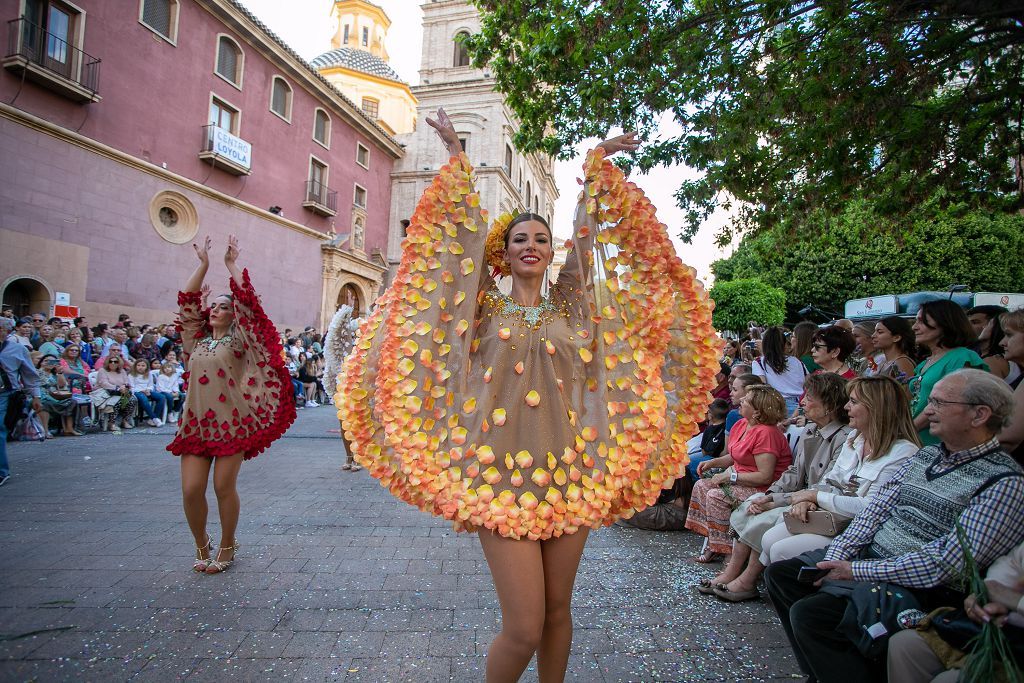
(321, 199)
(51, 61)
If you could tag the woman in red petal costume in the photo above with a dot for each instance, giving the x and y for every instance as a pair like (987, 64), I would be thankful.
(239, 399)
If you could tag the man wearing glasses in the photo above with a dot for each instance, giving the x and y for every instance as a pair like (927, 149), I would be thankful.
(907, 535)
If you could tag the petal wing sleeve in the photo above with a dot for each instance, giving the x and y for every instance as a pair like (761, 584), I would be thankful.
(650, 355)
(396, 390)
(266, 378)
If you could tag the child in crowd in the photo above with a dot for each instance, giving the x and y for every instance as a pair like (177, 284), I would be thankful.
(142, 386)
(168, 385)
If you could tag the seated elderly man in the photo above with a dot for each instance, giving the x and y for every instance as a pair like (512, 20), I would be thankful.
(907, 534)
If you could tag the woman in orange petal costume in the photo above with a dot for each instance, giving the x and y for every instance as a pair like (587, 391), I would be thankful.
(531, 419)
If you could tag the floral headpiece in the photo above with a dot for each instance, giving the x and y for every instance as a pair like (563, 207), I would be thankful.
(494, 248)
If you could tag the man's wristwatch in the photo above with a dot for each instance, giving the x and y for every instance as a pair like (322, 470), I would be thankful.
(733, 477)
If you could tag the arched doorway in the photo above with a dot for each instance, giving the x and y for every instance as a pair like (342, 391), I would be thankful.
(27, 295)
(349, 294)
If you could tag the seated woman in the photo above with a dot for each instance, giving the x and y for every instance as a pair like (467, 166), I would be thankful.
(52, 340)
(943, 329)
(894, 338)
(112, 394)
(990, 343)
(758, 454)
(152, 402)
(824, 404)
(55, 396)
(309, 375)
(868, 359)
(830, 348)
(884, 438)
(74, 338)
(739, 387)
(75, 368)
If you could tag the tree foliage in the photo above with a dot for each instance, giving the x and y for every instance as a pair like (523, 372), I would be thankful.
(860, 253)
(785, 107)
(740, 302)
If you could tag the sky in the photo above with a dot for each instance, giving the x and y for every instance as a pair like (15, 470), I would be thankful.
(306, 27)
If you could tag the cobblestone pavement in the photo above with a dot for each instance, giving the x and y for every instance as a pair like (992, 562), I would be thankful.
(335, 580)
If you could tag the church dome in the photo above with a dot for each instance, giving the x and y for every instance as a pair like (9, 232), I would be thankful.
(357, 60)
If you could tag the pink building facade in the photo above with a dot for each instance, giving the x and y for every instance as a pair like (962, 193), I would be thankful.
(130, 129)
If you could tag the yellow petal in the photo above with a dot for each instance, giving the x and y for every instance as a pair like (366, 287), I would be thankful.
(467, 266)
(532, 398)
(549, 346)
(524, 459)
(498, 417)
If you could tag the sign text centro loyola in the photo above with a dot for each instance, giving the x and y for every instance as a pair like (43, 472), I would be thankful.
(236, 149)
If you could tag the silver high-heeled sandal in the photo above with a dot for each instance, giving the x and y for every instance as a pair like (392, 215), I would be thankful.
(217, 566)
(201, 562)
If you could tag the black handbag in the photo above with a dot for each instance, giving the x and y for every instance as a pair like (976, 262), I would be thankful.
(956, 628)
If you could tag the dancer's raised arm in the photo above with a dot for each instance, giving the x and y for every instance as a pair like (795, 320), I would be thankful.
(230, 259)
(446, 131)
(627, 142)
(195, 280)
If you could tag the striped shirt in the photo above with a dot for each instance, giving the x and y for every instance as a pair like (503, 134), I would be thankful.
(993, 522)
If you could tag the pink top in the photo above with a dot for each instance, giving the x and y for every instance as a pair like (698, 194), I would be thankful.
(747, 441)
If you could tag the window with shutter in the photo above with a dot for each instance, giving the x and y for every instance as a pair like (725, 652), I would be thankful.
(228, 60)
(158, 15)
(322, 128)
(280, 98)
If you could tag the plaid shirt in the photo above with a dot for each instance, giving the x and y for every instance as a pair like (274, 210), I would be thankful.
(993, 522)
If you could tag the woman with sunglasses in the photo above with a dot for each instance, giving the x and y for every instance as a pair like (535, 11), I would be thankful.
(113, 393)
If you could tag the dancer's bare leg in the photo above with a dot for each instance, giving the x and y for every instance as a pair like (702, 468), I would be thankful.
(225, 479)
(561, 557)
(517, 568)
(195, 472)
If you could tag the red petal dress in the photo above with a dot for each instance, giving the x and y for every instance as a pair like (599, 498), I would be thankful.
(532, 421)
(239, 396)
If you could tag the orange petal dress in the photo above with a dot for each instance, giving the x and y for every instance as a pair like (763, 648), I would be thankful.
(532, 421)
(239, 396)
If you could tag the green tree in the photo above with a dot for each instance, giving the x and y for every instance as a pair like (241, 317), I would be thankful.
(859, 252)
(739, 302)
(785, 107)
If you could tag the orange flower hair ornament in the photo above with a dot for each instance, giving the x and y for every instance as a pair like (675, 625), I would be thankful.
(495, 246)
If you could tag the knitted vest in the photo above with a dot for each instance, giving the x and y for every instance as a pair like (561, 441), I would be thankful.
(929, 504)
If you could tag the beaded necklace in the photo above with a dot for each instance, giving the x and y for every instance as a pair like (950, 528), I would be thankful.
(212, 343)
(530, 314)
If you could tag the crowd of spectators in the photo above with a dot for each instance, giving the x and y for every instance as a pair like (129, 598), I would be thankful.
(861, 466)
(112, 376)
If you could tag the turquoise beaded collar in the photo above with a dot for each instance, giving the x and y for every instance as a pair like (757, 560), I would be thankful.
(530, 314)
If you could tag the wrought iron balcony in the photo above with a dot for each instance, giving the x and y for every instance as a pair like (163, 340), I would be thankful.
(320, 199)
(51, 61)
